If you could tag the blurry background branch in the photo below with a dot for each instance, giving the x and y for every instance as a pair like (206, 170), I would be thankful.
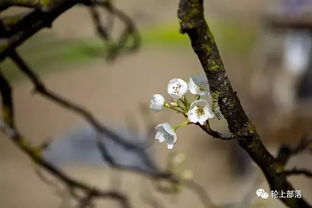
(8, 127)
(26, 26)
(286, 152)
(128, 40)
(14, 30)
(297, 171)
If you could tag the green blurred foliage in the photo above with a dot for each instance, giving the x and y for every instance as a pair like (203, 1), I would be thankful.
(232, 37)
(45, 52)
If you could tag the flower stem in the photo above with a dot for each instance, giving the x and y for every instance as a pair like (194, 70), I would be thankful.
(181, 125)
(175, 108)
(185, 103)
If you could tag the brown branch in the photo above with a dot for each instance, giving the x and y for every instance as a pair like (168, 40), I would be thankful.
(295, 171)
(35, 4)
(286, 152)
(31, 24)
(35, 154)
(97, 125)
(193, 23)
(14, 31)
(9, 23)
(25, 25)
(7, 126)
(100, 27)
(206, 128)
(128, 40)
(215, 134)
(296, 22)
(26, 3)
(154, 173)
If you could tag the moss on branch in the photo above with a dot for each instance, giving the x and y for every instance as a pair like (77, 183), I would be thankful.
(192, 22)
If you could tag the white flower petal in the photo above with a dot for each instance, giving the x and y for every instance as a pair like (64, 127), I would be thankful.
(200, 102)
(160, 127)
(177, 88)
(191, 115)
(209, 112)
(200, 112)
(192, 87)
(202, 119)
(158, 135)
(198, 85)
(170, 146)
(166, 133)
(167, 128)
(161, 139)
(157, 102)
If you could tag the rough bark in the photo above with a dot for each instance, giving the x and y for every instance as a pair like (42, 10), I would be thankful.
(192, 22)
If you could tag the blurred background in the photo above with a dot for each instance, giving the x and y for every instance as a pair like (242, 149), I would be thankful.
(266, 47)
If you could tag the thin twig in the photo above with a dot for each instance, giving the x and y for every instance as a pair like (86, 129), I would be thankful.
(286, 152)
(98, 126)
(7, 126)
(296, 171)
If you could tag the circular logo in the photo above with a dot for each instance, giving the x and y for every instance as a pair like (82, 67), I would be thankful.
(259, 192)
(264, 195)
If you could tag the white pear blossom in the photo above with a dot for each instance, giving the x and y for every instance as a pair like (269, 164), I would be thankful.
(177, 88)
(157, 102)
(198, 85)
(200, 112)
(166, 133)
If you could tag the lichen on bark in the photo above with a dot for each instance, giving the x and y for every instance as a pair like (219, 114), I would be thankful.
(203, 43)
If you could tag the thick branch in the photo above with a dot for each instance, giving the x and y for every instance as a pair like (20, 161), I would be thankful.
(36, 4)
(15, 30)
(193, 23)
(31, 24)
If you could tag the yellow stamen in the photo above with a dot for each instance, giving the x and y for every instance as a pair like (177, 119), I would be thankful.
(200, 111)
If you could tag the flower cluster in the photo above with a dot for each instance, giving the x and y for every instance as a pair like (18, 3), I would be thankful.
(196, 110)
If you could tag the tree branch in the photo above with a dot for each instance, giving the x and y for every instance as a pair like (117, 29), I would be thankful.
(31, 24)
(97, 125)
(14, 30)
(153, 173)
(35, 4)
(128, 33)
(206, 128)
(7, 126)
(296, 171)
(286, 152)
(192, 23)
